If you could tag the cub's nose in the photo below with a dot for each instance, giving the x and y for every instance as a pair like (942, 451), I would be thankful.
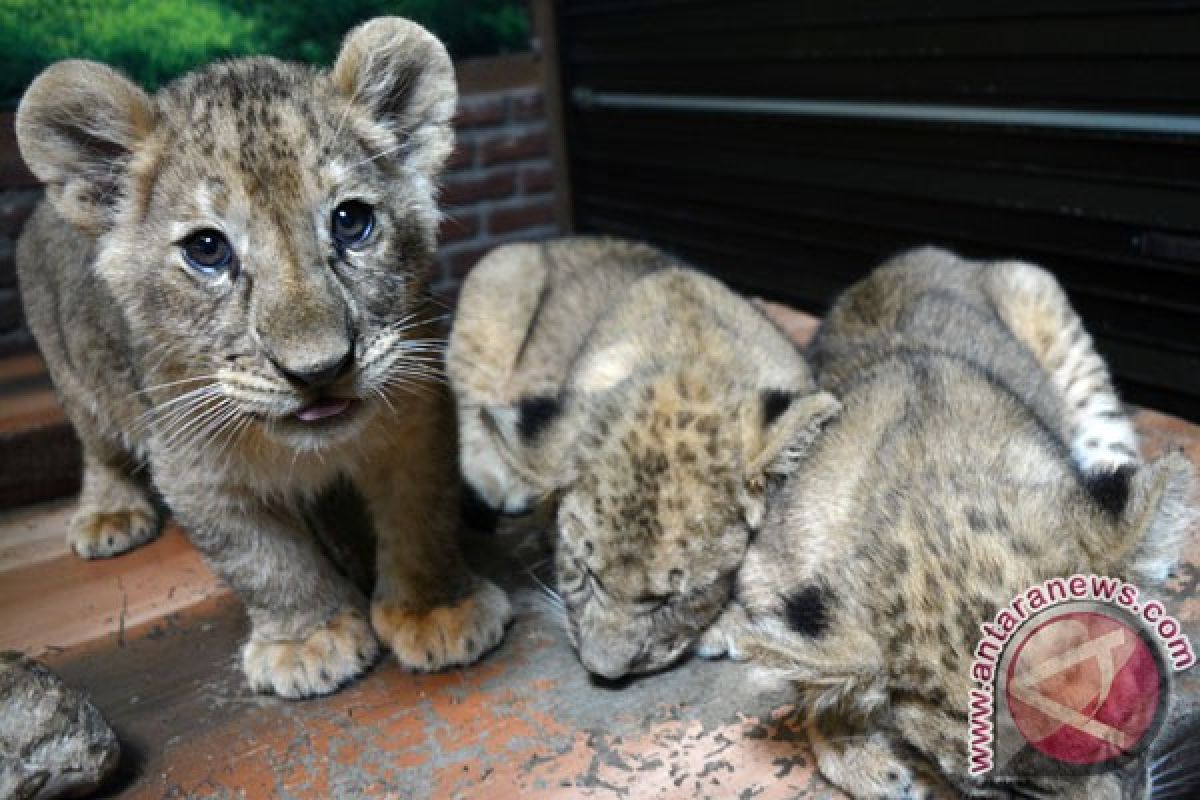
(318, 374)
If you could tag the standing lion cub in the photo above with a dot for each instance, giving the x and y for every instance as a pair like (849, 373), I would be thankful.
(228, 281)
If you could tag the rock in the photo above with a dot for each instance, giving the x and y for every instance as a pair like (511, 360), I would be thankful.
(53, 741)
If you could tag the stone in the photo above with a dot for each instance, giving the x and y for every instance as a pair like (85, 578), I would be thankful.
(53, 741)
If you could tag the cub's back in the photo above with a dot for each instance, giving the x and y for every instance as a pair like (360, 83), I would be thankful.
(526, 310)
(932, 301)
(679, 319)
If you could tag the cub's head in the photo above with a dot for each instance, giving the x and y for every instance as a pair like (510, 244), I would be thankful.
(664, 481)
(266, 228)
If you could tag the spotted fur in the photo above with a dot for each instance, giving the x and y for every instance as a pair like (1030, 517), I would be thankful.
(672, 411)
(948, 484)
(189, 380)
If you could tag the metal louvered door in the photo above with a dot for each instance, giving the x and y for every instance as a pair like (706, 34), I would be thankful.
(790, 146)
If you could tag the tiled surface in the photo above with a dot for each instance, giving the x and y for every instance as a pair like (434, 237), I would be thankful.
(153, 637)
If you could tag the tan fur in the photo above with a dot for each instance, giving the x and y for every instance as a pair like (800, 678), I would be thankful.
(192, 378)
(636, 394)
(946, 487)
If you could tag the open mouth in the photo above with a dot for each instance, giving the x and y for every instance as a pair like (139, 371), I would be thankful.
(325, 410)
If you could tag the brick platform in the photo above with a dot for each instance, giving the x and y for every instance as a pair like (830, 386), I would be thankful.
(152, 636)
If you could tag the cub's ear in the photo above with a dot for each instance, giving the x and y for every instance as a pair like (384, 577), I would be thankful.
(780, 431)
(532, 439)
(402, 74)
(777, 431)
(77, 126)
(1156, 518)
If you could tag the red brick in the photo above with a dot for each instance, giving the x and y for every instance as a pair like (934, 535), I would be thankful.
(15, 207)
(445, 295)
(8, 267)
(503, 148)
(476, 112)
(528, 215)
(528, 106)
(462, 157)
(536, 179)
(11, 315)
(18, 342)
(458, 263)
(467, 189)
(13, 172)
(456, 226)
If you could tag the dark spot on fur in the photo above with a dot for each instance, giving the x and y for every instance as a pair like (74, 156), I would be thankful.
(535, 413)
(977, 520)
(1110, 489)
(774, 403)
(807, 611)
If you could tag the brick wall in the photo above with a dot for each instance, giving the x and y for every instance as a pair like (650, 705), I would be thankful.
(497, 187)
(19, 194)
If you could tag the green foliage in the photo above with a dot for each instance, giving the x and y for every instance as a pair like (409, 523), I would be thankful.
(155, 40)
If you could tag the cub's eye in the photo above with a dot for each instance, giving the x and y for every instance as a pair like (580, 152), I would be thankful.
(352, 223)
(208, 251)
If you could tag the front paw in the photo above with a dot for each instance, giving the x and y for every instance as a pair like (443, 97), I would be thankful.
(333, 654)
(444, 636)
(867, 767)
(725, 637)
(101, 534)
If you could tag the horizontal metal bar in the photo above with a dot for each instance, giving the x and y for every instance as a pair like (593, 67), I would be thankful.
(1176, 124)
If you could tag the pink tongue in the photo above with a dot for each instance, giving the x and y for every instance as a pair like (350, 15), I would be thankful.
(323, 409)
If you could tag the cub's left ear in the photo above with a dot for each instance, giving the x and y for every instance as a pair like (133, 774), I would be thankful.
(777, 431)
(403, 75)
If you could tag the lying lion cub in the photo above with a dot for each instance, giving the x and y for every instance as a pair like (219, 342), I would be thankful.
(981, 451)
(228, 281)
(654, 404)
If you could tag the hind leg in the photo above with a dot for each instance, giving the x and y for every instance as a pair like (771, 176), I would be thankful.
(1035, 308)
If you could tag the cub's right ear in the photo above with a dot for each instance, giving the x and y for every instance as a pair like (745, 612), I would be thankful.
(77, 126)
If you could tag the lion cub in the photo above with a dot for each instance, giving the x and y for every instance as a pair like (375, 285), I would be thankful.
(653, 404)
(228, 281)
(980, 450)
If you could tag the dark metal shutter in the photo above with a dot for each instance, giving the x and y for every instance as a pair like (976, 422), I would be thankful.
(790, 146)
